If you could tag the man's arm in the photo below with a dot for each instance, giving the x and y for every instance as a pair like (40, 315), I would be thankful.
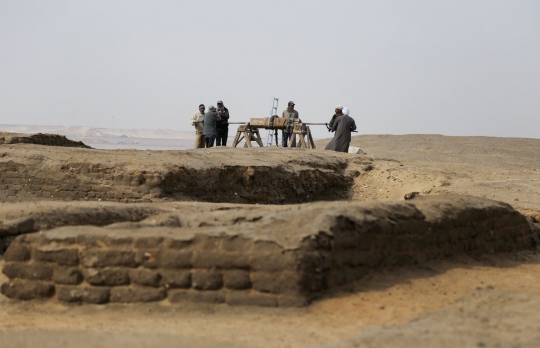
(193, 119)
(331, 124)
(353, 127)
(225, 116)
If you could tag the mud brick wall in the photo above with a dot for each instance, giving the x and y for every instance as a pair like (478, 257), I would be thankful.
(119, 268)
(271, 263)
(135, 176)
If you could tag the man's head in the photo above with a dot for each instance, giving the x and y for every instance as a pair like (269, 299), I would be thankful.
(211, 108)
(290, 106)
(201, 108)
(220, 104)
(339, 110)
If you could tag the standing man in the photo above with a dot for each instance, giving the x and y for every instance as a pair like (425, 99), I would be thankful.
(343, 125)
(222, 125)
(209, 130)
(290, 114)
(197, 121)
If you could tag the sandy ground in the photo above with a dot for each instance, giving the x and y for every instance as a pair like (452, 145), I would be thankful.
(486, 302)
(382, 299)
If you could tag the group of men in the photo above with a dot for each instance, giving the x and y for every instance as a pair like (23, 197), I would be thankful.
(211, 126)
(214, 126)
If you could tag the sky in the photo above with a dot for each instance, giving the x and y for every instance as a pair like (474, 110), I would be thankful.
(418, 66)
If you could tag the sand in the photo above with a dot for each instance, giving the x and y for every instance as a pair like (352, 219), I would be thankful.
(460, 302)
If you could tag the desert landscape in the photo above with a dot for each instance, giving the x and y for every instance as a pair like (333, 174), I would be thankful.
(271, 247)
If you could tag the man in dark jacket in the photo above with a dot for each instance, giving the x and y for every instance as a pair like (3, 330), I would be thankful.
(209, 130)
(343, 125)
(222, 125)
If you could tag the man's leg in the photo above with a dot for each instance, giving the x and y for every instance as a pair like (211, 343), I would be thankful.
(199, 140)
(211, 141)
(219, 138)
(224, 135)
(284, 139)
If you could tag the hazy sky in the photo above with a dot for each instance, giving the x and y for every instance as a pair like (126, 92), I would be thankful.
(449, 67)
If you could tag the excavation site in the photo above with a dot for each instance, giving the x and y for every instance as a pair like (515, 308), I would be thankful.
(415, 240)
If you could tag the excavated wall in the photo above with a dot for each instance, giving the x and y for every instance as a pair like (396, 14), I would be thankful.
(40, 139)
(220, 175)
(268, 256)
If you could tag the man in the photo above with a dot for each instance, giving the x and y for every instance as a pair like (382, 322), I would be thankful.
(290, 114)
(343, 125)
(209, 130)
(197, 121)
(222, 125)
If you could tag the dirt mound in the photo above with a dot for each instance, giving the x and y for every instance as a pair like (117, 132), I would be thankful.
(40, 139)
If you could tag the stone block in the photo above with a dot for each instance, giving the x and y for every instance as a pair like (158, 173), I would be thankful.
(206, 280)
(107, 276)
(174, 259)
(132, 294)
(27, 289)
(214, 297)
(145, 277)
(67, 275)
(17, 252)
(175, 278)
(108, 257)
(27, 271)
(251, 298)
(61, 255)
(95, 295)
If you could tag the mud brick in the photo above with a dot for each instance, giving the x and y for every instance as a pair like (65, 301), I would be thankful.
(108, 257)
(214, 297)
(27, 271)
(236, 244)
(145, 277)
(174, 259)
(206, 243)
(237, 279)
(27, 289)
(17, 252)
(220, 260)
(178, 244)
(276, 283)
(115, 276)
(67, 275)
(250, 298)
(147, 258)
(148, 242)
(175, 278)
(274, 262)
(61, 255)
(207, 280)
(129, 294)
(95, 295)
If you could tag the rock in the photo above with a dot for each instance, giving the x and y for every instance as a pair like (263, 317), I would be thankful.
(356, 150)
